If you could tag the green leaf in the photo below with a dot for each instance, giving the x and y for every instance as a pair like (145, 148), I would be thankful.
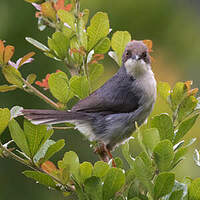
(13, 76)
(80, 86)
(93, 187)
(67, 17)
(134, 191)
(118, 43)
(184, 127)
(194, 191)
(164, 125)
(35, 135)
(48, 10)
(59, 86)
(179, 192)
(186, 107)
(4, 119)
(163, 184)
(95, 71)
(6, 88)
(127, 155)
(100, 169)
(147, 161)
(37, 44)
(52, 149)
(103, 46)
(41, 178)
(114, 180)
(71, 161)
(164, 90)
(59, 44)
(176, 195)
(163, 155)
(31, 78)
(98, 29)
(86, 13)
(177, 94)
(130, 176)
(150, 138)
(119, 163)
(18, 136)
(86, 169)
(143, 173)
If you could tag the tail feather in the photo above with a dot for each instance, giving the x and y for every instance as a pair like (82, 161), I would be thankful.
(51, 116)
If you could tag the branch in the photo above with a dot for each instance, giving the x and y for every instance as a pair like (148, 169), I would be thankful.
(8, 153)
(39, 94)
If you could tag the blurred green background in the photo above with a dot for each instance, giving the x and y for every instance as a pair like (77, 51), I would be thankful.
(174, 28)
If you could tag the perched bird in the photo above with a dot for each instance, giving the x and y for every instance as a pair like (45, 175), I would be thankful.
(110, 113)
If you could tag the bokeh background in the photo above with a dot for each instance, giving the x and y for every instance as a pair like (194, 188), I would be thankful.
(172, 25)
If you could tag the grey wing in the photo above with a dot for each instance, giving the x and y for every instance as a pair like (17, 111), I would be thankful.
(115, 96)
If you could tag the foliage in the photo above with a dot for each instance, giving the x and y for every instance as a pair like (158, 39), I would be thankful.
(81, 47)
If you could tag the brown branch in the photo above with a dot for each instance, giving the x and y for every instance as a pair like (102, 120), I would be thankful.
(39, 94)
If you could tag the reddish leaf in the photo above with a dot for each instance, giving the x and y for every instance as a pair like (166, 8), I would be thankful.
(60, 4)
(1, 51)
(44, 82)
(149, 44)
(96, 58)
(188, 85)
(80, 51)
(48, 167)
(8, 53)
(26, 58)
(38, 14)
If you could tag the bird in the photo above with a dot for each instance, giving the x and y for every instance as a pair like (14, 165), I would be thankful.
(110, 114)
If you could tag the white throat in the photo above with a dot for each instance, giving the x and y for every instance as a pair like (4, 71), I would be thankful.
(137, 68)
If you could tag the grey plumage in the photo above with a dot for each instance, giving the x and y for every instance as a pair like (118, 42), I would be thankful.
(109, 114)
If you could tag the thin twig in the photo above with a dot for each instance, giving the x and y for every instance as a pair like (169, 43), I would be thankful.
(39, 94)
(33, 167)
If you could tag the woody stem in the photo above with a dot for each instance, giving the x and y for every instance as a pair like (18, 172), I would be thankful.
(39, 94)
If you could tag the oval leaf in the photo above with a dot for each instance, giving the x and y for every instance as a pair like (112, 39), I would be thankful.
(13, 76)
(8, 53)
(164, 125)
(37, 44)
(59, 86)
(18, 136)
(163, 184)
(100, 169)
(98, 29)
(163, 155)
(118, 42)
(41, 178)
(114, 180)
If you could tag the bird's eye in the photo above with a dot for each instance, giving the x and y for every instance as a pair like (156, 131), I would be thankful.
(128, 53)
(143, 55)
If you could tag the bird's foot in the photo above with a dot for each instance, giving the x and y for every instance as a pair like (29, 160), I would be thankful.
(104, 153)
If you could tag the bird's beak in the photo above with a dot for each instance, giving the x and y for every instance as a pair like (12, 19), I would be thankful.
(135, 57)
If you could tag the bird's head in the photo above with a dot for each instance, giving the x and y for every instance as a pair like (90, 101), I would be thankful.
(136, 58)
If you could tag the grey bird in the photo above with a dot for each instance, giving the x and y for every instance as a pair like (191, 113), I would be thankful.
(110, 113)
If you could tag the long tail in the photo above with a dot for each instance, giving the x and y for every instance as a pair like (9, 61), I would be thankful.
(51, 116)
